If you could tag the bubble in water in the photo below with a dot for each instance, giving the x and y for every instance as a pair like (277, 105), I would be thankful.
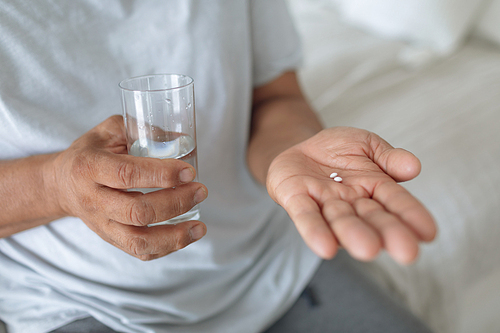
(190, 115)
(168, 101)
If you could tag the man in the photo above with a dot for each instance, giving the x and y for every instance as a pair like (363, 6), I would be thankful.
(72, 234)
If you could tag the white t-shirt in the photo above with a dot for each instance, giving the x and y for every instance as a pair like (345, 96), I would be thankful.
(60, 63)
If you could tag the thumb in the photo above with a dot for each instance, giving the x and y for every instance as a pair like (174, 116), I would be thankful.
(398, 163)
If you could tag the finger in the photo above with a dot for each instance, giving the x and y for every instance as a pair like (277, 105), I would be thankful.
(400, 242)
(311, 225)
(398, 163)
(407, 208)
(358, 238)
(138, 209)
(125, 171)
(147, 243)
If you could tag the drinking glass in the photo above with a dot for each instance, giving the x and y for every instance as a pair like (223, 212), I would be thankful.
(160, 123)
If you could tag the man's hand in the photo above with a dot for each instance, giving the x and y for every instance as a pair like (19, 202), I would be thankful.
(294, 157)
(90, 180)
(365, 212)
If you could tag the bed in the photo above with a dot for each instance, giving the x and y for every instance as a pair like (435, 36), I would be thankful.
(443, 104)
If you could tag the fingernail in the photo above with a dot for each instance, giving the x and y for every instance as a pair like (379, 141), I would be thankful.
(197, 232)
(200, 195)
(186, 175)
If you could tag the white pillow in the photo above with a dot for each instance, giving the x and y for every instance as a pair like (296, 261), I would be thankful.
(438, 25)
(489, 22)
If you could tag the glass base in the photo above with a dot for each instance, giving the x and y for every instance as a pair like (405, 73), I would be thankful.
(193, 214)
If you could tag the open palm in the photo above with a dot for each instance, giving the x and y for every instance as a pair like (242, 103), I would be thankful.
(367, 210)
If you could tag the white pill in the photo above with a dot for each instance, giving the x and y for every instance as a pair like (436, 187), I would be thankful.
(333, 175)
(338, 179)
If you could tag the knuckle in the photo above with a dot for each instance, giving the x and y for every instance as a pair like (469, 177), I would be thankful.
(126, 173)
(178, 205)
(141, 213)
(138, 246)
(89, 204)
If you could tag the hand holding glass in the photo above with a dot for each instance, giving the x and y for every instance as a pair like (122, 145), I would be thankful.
(160, 123)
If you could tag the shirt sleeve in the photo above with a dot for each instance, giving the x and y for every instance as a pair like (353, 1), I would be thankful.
(276, 44)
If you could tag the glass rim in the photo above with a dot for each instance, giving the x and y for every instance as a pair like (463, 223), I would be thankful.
(122, 82)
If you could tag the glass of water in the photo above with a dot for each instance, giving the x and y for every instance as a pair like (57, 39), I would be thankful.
(160, 122)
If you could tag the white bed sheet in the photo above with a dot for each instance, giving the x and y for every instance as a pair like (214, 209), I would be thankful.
(447, 112)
